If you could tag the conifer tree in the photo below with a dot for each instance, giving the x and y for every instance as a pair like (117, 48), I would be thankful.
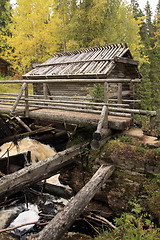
(149, 88)
(5, 18)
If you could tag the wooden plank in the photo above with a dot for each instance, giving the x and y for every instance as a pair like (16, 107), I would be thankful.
(64, 219)
(126, 61)
(44, 169)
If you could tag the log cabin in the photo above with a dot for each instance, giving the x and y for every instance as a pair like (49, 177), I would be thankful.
(103, 62)
(4, 66)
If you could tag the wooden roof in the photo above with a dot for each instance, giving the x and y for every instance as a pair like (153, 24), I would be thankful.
(4, 61)
(95, 62)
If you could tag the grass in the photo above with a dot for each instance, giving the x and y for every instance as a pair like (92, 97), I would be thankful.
(12, 87)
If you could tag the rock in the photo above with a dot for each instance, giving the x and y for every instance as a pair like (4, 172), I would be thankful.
(6, 236)
(151, 141)
(116, 199)
(134, 132)
(76, 236)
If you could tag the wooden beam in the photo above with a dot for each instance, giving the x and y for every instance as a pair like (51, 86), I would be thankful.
(19, 97)
(119, 93)
(126, 61)
(15, 182)
(64, 219)
(26, 134)
(48, 79)
(26, 102)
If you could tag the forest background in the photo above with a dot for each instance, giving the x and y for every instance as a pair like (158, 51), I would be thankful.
(33, 30)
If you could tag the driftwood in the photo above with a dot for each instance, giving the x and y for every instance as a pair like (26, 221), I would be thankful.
(19, 97)
(22, 123)
(26, 134)
(53, 189)
(44, 169)
(64, 219)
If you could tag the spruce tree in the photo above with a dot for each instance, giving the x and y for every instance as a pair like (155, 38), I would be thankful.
(5, 19)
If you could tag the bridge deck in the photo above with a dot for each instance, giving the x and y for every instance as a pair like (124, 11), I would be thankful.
(117, 123)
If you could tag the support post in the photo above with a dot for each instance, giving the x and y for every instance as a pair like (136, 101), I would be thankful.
(106, 92)
(26, 102)
(45, 90)
(18, 98)
(119, 93)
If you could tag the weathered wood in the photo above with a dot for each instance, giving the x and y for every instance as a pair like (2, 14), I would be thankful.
(23, 124)
(103, 121)
(99, 135)
(135, 111)
(26, 102)
(126, 60)
(64, 219)
(44, 169)
(19, 97)
(120, 93)
(42, 79)
(53, 189)
(106, 88)
(45, 91)
(26, 134)
(53, 101)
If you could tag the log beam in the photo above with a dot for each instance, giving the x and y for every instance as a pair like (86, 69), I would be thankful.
(15, 182)
(64, 219)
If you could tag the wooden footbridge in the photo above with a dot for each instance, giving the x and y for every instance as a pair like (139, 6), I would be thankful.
(93, 87)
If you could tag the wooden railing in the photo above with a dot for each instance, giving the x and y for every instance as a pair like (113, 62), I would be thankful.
(117, 106)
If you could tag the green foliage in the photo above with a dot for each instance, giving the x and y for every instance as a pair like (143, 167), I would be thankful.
(148, 91)
(5, 19)
(132, 226)
(40, 28)
(152, 187)
(125, 139)
(35, 33)
(97, 93)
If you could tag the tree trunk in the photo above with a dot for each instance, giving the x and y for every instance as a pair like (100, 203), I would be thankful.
(64, 219)
(15, 182)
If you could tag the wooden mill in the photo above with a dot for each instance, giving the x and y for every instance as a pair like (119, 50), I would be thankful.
(92, 86)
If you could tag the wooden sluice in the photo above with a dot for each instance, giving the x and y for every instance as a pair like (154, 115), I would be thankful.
(94, 86)
(112, 113)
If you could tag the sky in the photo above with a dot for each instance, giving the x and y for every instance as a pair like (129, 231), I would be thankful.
(142, 3)
(153, 4)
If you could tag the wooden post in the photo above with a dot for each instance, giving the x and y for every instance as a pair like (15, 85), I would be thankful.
(119, 93)
(45, 90)
(106, 92)
(18, 98)
(64, 219)
(26, 102)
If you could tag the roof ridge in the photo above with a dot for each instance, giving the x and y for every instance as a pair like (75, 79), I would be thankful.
(73, 52)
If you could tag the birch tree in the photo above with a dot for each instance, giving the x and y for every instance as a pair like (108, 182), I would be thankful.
(35, 33)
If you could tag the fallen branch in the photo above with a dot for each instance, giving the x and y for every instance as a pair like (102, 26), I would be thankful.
(101, 219)
(64, 219)
(15, 182)
(22, 225)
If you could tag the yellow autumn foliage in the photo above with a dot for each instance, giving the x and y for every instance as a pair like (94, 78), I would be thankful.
(35, 33)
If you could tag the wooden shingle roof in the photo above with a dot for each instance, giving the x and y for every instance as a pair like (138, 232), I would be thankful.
(4, 61)
(97, 61)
